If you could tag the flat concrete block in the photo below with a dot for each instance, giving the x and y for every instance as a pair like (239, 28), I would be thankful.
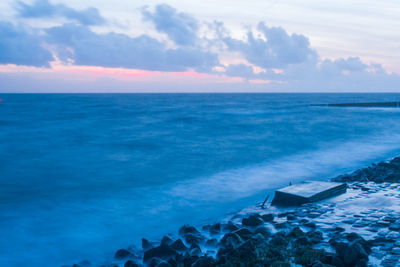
(312, 191)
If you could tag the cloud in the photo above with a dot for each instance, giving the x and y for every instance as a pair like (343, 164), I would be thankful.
(353, 64)
(21, 47)
(268, 55)
(85, 47)
(274, 49)
(240, 70)
(178, 26)
(43, 9)
(339, 75)
(290, 62)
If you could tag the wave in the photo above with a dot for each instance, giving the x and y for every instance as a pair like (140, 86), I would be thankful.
(315, 165)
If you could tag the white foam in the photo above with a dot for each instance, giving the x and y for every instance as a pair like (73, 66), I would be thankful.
(319, 165)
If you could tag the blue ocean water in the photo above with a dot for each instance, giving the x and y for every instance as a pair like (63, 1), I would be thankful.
(82, 175)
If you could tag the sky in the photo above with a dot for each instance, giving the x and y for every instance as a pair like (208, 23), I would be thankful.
(199, 46)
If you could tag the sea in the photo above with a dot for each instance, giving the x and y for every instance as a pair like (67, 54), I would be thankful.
(82, 175)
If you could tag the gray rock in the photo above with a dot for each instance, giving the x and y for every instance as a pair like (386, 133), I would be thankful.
(194, 238)
(394, 227)
(337, 262)
(206, 227)
(263, 231)
(315, 236)
(244, 233)
(303, 221)
(154, 262)
(215, 229)
(350, 253)
(296, 232)
(146, 244)
(252, 220)
(187, 229)
(230, 240)
(303, 241)
(122, 254)
(178, 246)
(313, 214)
(230, 227)
(395, 250)
(318, 264)
(258, 237)
(130, 263)
(195, 251)
(278, 241)
(311, 225)
(356, 238)
(204, 262)
(212, 242)
(383, 223)
(267, 217)
(166, 240)
(362, 263)
(337, 229)
(282, 225)
(162, 252)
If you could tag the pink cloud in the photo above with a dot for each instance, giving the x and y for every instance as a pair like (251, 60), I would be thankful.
(92, 73)
(103, 71)
(192, 74)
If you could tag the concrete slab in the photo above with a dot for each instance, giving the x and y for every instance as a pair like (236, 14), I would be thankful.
(310, 191)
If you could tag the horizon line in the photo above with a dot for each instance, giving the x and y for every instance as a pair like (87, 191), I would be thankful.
(199, 92)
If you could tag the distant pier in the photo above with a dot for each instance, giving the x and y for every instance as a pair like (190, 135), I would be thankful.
(366, 105)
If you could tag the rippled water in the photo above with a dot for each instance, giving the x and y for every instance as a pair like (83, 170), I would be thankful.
(85, 174)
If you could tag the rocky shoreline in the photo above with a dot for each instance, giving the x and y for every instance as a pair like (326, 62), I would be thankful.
(358, 228)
